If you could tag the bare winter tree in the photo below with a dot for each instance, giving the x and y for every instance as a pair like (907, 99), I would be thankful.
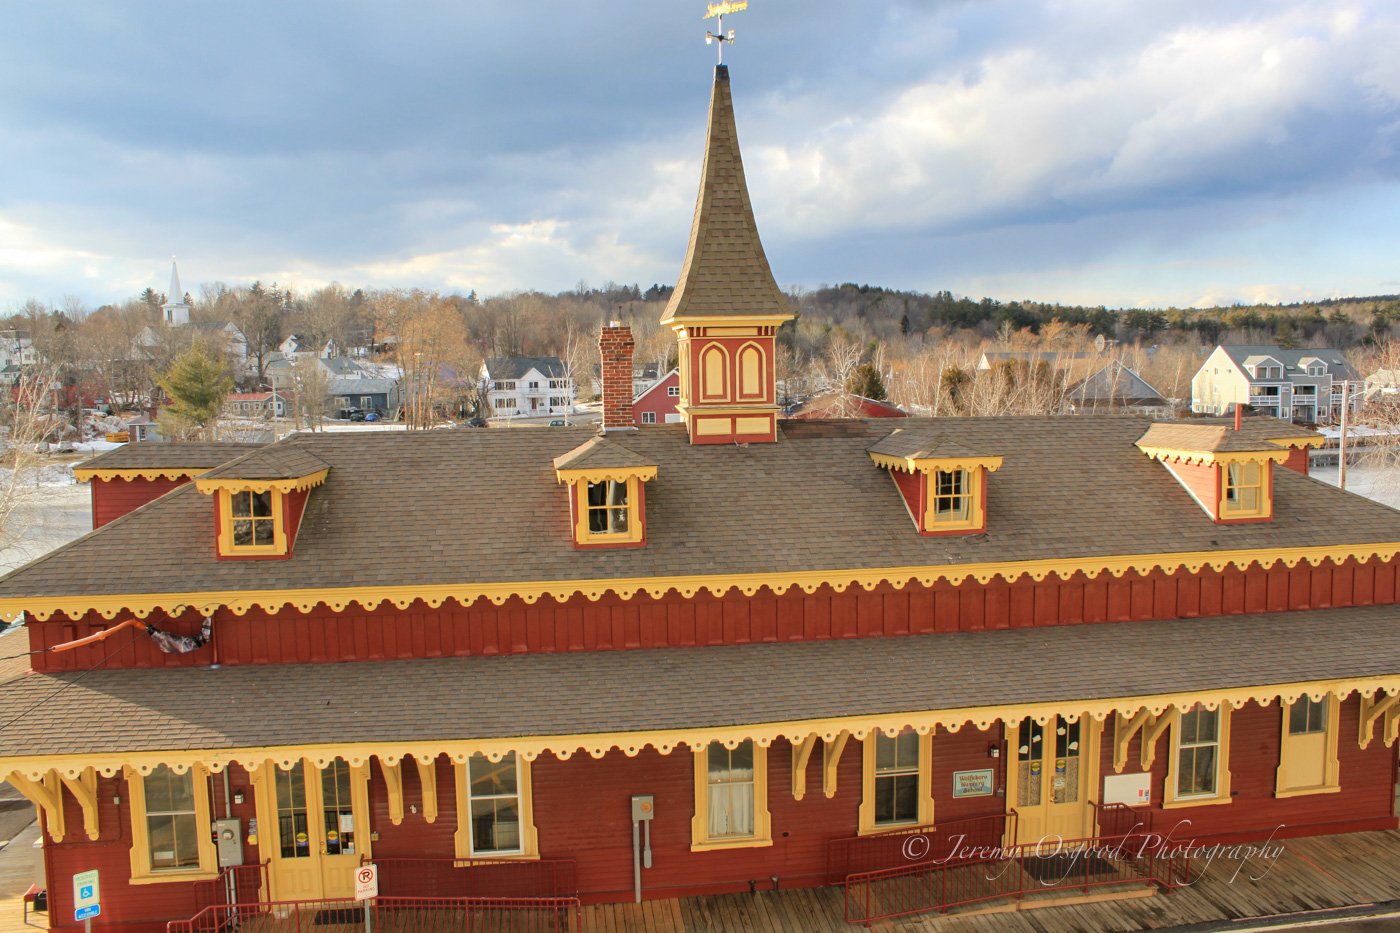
(28, 421)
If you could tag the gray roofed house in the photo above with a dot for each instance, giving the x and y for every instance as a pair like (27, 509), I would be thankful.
(1305, 385)
(524, 386)
(1115, 387)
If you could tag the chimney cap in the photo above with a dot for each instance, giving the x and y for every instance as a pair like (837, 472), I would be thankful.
(614, 323)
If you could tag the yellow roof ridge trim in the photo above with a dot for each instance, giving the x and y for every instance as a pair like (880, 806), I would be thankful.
(148, 473)
(295, 484)
(402, 596)
(666, 741)
(929, 464)
(599, 474)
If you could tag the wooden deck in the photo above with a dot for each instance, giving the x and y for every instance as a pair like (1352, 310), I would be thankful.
(1310, 874)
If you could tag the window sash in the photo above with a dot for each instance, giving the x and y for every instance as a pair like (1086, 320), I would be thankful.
(493, 796)
(951, 498)
(1243, 487)
(730, 790)
(897, 778)
(172, 822)
(1198, 753)
(1306, 717)
(609, 508)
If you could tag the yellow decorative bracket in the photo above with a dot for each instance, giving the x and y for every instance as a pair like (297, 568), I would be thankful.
(427, 781)
(393, 784)
(1372, 709)
(1124, 728)
(47, 796)
(801, 754)
(831, 757)
(84, 790)
(1150, 734)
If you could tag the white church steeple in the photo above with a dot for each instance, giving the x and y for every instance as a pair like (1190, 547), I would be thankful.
(176, 311)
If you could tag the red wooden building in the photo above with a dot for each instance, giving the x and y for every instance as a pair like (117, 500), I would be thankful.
(770, 642)
(657, 403)
(126, 478)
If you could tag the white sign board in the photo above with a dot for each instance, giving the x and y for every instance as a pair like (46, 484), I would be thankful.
(366, 882)
(1134, 790)
(87, 896)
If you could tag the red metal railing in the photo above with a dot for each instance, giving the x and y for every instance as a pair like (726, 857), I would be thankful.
(237, 884)
(917, 845)
(1016, 872)
(494, 878)
(1118, 819)
(393, 915)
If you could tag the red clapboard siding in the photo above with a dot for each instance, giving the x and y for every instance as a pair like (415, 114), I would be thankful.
(113, 498)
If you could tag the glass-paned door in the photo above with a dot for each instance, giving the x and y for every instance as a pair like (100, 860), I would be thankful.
(315, 827)
(1054, 770)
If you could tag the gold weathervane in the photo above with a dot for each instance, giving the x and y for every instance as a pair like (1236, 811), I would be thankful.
(717, 10)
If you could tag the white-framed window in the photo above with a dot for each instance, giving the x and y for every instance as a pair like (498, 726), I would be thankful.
(493, 791)
(731, 796)
(673, 391)
(504, 403)
(1199, 770)
(505, 386)
(648, 417)
(951, 496)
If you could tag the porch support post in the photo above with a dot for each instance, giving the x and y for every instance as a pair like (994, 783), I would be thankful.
(831, 757)
(46, 796)
(84, 790)
(427, 780)
(393, 784)
(1150, 734)
(1373, 708)
(801, 754)
(1124, 729)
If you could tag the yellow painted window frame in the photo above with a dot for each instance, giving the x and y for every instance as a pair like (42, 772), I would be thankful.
(529, 836)
(1264, 504)
(972, 492)
(700, 838)
(1331, 769)
(141, 871)
(866, 818)
(634, 523)
(279, 530)
(1170, 797)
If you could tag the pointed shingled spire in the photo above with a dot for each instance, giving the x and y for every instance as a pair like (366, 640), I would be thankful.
(725, 273)
(175, 296)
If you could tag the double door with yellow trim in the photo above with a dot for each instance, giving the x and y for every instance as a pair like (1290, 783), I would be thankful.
(316, 828)
(1050, 776)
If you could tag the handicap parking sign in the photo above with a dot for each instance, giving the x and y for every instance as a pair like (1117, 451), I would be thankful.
(86, 896)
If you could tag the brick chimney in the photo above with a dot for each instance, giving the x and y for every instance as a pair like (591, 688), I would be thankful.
(616, 345)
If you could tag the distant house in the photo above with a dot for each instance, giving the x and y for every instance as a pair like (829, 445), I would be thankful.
(221, 338)
(367, 393)
(254, 405)
(839, 405)
(1115, 387)
(521, 386)
(1295, 385)
(656, 404)
(1056, 358)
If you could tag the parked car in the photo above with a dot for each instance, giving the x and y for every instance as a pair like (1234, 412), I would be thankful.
(477, 423)
(557, 423)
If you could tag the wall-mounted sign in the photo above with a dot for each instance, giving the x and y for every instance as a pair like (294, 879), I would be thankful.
(1134, 790)
(974, 783)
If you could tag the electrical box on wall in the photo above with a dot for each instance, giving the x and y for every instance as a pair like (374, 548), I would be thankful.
(643, 807)
(228, 839)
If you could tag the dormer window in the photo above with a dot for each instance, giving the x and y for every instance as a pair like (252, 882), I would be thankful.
(951, 502)
(254, 521)
(1244, 490)
(944, 486)
(259, 499)
(606, 503)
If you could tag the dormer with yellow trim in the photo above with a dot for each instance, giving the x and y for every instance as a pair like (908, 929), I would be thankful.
(259, 500)
(1229, 471)
(943, 484)
(726, 308)
(607, 502)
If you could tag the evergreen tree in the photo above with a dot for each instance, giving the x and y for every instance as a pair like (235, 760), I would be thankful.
(197, 384)
(866, 381)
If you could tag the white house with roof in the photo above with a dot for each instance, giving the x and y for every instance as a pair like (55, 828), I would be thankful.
(1302, 385)
(522, 386)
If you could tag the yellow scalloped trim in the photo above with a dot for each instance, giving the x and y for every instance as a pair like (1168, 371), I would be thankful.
(929, 464)
(84, 475)
(1175, 455)
(597, 745)
(600, 474)
(809, 581)
(296, 484)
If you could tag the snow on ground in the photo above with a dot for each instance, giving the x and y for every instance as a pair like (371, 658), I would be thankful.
(50, 511)
(1374, 482)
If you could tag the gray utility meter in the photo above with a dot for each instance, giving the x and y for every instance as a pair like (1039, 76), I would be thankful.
(228, 838)
(643, 809)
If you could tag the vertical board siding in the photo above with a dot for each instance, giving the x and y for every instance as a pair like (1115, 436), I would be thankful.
(672, 621)
(113, 498)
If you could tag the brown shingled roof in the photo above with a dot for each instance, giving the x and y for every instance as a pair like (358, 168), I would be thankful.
(922, 444)
(287, 460)
(725, 273)
(162, 456)
(455, 507)
(600, 453)
(1204, 438)
(678, 688)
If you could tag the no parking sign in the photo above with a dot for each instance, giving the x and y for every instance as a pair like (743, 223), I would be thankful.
(366, 882)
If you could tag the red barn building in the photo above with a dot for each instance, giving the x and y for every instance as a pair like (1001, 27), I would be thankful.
(510, 662)
(658, 403)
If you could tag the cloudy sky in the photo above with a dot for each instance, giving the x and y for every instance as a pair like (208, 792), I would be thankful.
(1125, 153)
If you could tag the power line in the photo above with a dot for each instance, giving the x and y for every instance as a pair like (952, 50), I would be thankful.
(42, 700)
